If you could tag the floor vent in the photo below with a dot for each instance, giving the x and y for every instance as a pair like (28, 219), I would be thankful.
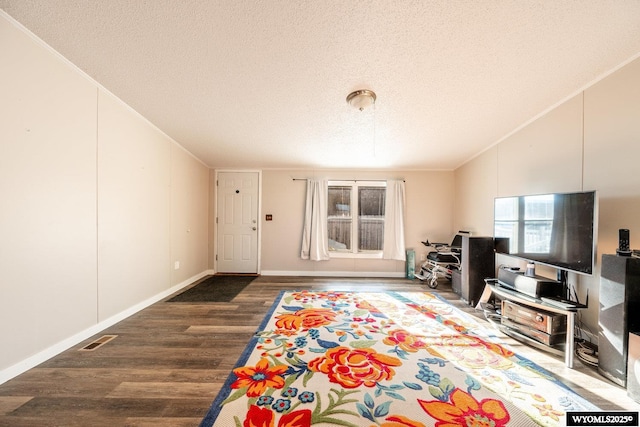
(98, 343)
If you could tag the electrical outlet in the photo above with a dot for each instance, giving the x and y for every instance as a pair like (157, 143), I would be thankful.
(176, 265)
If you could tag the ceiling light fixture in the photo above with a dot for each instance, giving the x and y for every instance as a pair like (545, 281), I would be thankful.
(361, 99)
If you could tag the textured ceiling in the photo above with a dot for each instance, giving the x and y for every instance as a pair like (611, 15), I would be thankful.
(262, 84)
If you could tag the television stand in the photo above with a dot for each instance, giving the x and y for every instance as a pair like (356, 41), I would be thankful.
(566, 350)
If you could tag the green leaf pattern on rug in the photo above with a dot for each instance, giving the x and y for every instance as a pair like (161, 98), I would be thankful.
(328, 414)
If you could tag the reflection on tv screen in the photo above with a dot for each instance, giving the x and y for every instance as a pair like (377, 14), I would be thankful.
(553, 229)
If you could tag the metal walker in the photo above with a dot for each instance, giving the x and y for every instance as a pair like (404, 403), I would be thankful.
(439, 264)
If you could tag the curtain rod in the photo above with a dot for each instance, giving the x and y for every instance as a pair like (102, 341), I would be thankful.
(353, 180)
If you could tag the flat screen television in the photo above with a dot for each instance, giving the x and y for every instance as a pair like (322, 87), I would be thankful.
(558, 230)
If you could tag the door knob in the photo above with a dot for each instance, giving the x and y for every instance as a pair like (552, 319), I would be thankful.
(254, 228)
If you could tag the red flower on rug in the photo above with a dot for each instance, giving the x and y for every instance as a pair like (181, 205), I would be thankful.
(405, 341)
(432, 313)
(306, 318)
(364, 305)
(465, 410)
(264, 417)
(352, 368)
(324, 295)
(259, 378)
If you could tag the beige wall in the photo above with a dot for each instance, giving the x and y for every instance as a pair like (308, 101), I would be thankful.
(48, 283)
(189, 215)
(133, 208)
(612, 153)
(97, 206)
(475, 187)
(545, 156)
(590, 142)
(429, 208)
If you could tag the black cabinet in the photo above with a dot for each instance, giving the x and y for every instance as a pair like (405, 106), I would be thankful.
(619, 314)
(456, 281)
(477, 263)
(633, 367)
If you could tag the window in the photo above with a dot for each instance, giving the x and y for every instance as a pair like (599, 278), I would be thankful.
(527, 223)
(355, 220)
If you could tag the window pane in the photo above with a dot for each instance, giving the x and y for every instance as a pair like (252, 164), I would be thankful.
(339, 231)
(537, 237)
(371, 201)
(506, 221)
(507, 209)
(339, 201)
(538, 219)
(371, 218)
(339, 218)
(508, 229)
(538, 207)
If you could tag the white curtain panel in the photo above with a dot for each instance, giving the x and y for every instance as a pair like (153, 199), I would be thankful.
(393, 246)
(315, 243)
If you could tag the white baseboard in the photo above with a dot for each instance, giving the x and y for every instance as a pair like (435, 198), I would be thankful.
(333, 273)
(54, 350)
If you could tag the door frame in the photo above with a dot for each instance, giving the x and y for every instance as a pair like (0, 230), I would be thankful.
(215, 215)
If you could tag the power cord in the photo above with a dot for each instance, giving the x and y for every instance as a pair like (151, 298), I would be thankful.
(585, 350)
(587, 353)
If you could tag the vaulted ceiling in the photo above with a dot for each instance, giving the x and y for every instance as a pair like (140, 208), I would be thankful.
(262, 84)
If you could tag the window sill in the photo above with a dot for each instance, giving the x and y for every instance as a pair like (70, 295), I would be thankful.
(359, 255)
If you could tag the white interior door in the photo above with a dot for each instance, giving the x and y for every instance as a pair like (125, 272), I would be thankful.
(237, 222)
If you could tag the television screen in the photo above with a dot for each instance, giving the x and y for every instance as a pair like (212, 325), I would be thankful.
(552, 229)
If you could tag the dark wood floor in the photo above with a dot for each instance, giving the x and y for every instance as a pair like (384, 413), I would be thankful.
(169, 361)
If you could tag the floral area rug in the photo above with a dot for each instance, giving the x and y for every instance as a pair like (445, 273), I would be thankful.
(392, 359)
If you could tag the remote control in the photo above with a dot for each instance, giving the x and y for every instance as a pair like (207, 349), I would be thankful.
(623, 242)
(624, 239)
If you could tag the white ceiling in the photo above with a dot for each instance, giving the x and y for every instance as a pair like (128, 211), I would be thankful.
(262, 84)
